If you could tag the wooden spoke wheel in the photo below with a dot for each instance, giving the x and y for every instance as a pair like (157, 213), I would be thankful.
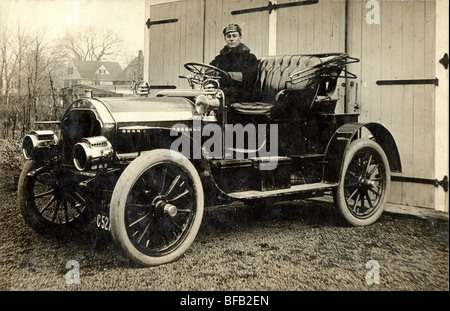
(51, 200)
(365, 181)
(156, 208)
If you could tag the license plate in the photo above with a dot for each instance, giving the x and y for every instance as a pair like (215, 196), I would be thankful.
(103, 222)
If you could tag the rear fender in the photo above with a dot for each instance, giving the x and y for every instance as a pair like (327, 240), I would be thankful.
(340, 142)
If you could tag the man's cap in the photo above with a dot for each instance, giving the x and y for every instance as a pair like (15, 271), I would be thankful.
(232, 28)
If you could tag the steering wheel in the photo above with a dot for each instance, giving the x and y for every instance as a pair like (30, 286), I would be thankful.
(205, 70)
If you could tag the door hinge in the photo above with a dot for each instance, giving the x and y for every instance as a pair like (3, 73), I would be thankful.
(435, 182)
(164, 21)
(434, 81)
(274, 6)
(444, 61)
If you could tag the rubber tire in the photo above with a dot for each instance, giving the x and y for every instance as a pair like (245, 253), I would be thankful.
(117, 207)
(339, 194)
(34, 219)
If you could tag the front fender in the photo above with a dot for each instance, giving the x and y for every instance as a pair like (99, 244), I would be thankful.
(340, 142)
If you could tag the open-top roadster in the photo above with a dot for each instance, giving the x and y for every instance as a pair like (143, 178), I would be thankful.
(145, 167)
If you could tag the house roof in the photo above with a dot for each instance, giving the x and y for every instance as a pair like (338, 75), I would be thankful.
(134, 70)
(89, 70)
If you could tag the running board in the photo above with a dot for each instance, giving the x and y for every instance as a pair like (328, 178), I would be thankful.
(311, 190)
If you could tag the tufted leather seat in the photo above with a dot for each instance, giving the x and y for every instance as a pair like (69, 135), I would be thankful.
(279, 73)
(274, 72)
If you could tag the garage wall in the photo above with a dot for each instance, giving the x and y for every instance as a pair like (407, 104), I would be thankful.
(395, 40)
(399, 47)
(255, 26)
(172, 43)
(197, 35)
(313, 29)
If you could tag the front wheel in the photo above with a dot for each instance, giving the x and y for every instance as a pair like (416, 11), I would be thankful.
(364, 184)
(51, 200)
(156, 208)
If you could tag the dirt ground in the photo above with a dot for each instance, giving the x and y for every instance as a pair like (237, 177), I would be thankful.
(291, 246)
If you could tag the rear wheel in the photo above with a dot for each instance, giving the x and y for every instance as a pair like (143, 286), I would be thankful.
(156, 208)
(364, 184)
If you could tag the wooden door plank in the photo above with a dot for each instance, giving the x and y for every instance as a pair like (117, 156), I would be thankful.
(156, 47)
(376, 45)
(178, 47)
(301, 13)
(219, 25)
(253, 34)
(318, 28)
(183, 39)
(211, 28)
(326, 27)
(368, 68)
(354, 50)
(386, 68)
(429, 103)
(386, 63)
(265, 38)
(293, 29)
(397, 94)
(283, 32)
(337, 44)
(169, 53)
(420, 167)
(310, 28)
(408, 102)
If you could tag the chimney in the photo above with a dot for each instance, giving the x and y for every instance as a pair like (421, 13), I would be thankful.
(141, 54)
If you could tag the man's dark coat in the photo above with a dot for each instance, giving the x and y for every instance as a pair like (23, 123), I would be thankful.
(238, 59)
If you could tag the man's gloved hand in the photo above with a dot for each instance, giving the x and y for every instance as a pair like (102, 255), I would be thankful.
(236, 76)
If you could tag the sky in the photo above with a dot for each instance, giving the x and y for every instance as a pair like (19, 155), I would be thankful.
(127, 17)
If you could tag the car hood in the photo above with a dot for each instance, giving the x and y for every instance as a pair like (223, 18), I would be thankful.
(145, 109)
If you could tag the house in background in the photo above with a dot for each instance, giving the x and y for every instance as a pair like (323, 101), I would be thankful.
(92, 73)
(103, 75)
(134, 72)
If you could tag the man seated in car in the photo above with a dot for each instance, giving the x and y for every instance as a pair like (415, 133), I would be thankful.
(240, 64)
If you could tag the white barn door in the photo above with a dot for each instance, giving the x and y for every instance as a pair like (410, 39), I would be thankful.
(175, 31)
(313, 28)
(395, 41)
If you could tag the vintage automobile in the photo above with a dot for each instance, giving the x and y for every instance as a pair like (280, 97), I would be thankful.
(144, 167)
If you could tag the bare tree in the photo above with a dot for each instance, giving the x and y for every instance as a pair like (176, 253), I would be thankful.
(39, 63)
(12, 52)
(29, 69)
(134, 72)
(91, 43)
(13, 45)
